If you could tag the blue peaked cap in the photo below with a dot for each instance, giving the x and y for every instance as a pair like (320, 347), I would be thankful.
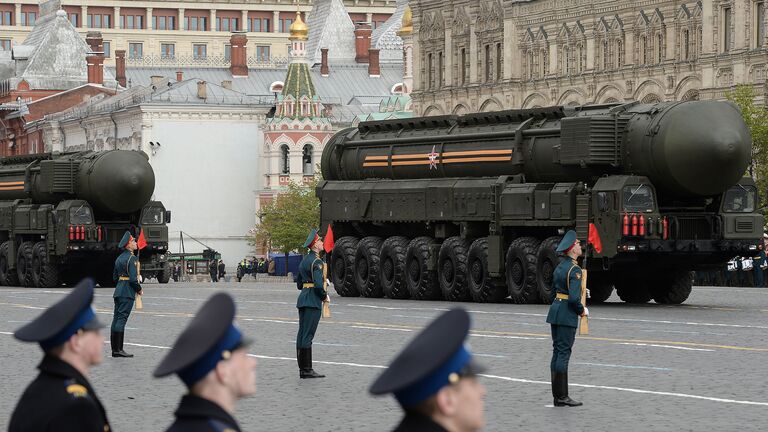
(568, 240)
(124, 241)
(310, 238)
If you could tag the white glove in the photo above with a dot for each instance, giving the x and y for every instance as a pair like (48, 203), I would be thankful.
(586, 311)
(588, 294)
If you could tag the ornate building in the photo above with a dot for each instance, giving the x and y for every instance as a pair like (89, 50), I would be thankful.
(472, 55)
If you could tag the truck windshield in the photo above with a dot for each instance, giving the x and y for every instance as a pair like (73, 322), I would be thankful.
(740, 199)
(638, 198)
(153, 215)
(80, 215)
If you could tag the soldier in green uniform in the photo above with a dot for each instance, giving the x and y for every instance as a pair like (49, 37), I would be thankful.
(564, 316)
(126, 276)
(312, 285)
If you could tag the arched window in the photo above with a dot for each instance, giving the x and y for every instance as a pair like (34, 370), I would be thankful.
(686, 40)
(660, 42)
(581, 61)
(566, 62)
(487, 63)
(544, 68)
(619, 53)
(606, 55)
(498, 62)
(308, 167)
(285, 165)
(430, 66)
(644, 50)
(530, 64)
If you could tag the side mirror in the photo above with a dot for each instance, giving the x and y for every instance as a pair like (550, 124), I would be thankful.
(167, 216)
(602, 201)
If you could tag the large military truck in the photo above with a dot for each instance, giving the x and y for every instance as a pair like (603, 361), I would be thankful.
(473, 206)
(62, 216)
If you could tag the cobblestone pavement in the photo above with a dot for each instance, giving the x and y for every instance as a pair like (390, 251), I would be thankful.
(699, 366)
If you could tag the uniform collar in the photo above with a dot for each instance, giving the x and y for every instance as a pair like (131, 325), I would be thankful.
(192, 406)
(53, 365)
(573, 260)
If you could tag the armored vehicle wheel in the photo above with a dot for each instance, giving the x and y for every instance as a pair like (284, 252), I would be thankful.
(422, 283)
(343, 267)
(164, 274)
(367, 267)
(673, 288)
(24, 264)
(44, 273)
(8, 277)
(546, 261)
(521, 270)
(482, 287)
(600, 286)
(452, 269)
(392, 268)
(632, 289)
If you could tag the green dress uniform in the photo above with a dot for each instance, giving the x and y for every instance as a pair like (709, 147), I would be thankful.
(126, 275)
(563, 317)
(311, 283)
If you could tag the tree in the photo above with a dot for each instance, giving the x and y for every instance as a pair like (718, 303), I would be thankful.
(756, 118)
(286, 221)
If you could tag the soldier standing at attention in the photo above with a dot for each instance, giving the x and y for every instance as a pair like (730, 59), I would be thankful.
(211, 358)
(435, 379)
(564, 316)
(312, 285)
(61, 398)
(126, 275)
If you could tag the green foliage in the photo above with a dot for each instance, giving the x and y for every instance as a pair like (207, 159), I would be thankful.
(756, 118)
(286, 221)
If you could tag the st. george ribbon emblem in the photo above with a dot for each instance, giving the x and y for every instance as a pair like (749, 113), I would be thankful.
(433, 158)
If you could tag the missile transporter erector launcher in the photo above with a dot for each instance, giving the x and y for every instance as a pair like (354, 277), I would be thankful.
(472, 207)
(62, 216)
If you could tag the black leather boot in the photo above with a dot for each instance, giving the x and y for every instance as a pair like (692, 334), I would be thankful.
(113, 343)
(120, 337)
(562, 398)
(306, 365)
(554, 384)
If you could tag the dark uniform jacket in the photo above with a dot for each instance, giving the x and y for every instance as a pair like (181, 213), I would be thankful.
(196, 414)
(125, 267)
(418, 423)
(60, 399)
(566, 280)
(311, 271)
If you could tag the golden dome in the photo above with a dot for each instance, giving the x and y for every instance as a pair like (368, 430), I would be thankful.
(406, 25)
(299, 30)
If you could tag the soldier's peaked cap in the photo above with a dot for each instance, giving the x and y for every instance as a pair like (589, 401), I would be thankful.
(436, 357)
(124, 241)
(62, 320)
(311, 238)
(209, 338)
(569, 239)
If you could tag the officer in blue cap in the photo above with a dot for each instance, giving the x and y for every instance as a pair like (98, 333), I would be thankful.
(434, 378)
(311, 283)
(211, 358)
(61, 398)
(564, 315)
(126, 276)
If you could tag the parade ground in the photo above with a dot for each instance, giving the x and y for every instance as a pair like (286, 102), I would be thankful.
(697, 366)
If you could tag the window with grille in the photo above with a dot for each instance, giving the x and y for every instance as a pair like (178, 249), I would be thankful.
(199, 51)
(498, 61)
(5, 44)
(463, 67)
(164, 22)
(99, 20)
(28, 18)
(226, 24)
(195, 23)
(107, 48)
(262, 53)
(167, 50)
(759, 24)
(135, 50)
(135, 22)
(285, 166)
(258, 25)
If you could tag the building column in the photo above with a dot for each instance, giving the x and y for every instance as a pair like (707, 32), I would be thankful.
(213, 20)
(116, 18)
(707, 27)
(590, 66)
(275, 21)
(511, 60)
(18, 14)
(447, 58)
(369, 17)
(150, 25)
(181, 19)
(553, 58)
(244, 21)
(629, 47)
(84, 13)
(472, 78)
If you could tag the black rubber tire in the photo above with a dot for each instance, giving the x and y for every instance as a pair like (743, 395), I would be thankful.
(673, 289)
(547, 259)
(44, 273)
(422, 283)
(392, 268)
(367, 267)
(8, 277)
(600, 284)
(482, 287)
(24, 264)
(452, 269)
(521, 270)
(343, 267)
(632, 289)
(164, 274)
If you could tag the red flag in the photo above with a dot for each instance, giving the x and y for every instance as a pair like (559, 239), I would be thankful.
(594, 238)
(141, 243)
(328, 240)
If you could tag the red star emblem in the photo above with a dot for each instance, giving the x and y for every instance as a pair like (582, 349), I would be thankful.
(432, 158)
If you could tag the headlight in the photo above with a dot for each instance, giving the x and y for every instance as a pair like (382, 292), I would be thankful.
(162, 256)
(752, 247)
